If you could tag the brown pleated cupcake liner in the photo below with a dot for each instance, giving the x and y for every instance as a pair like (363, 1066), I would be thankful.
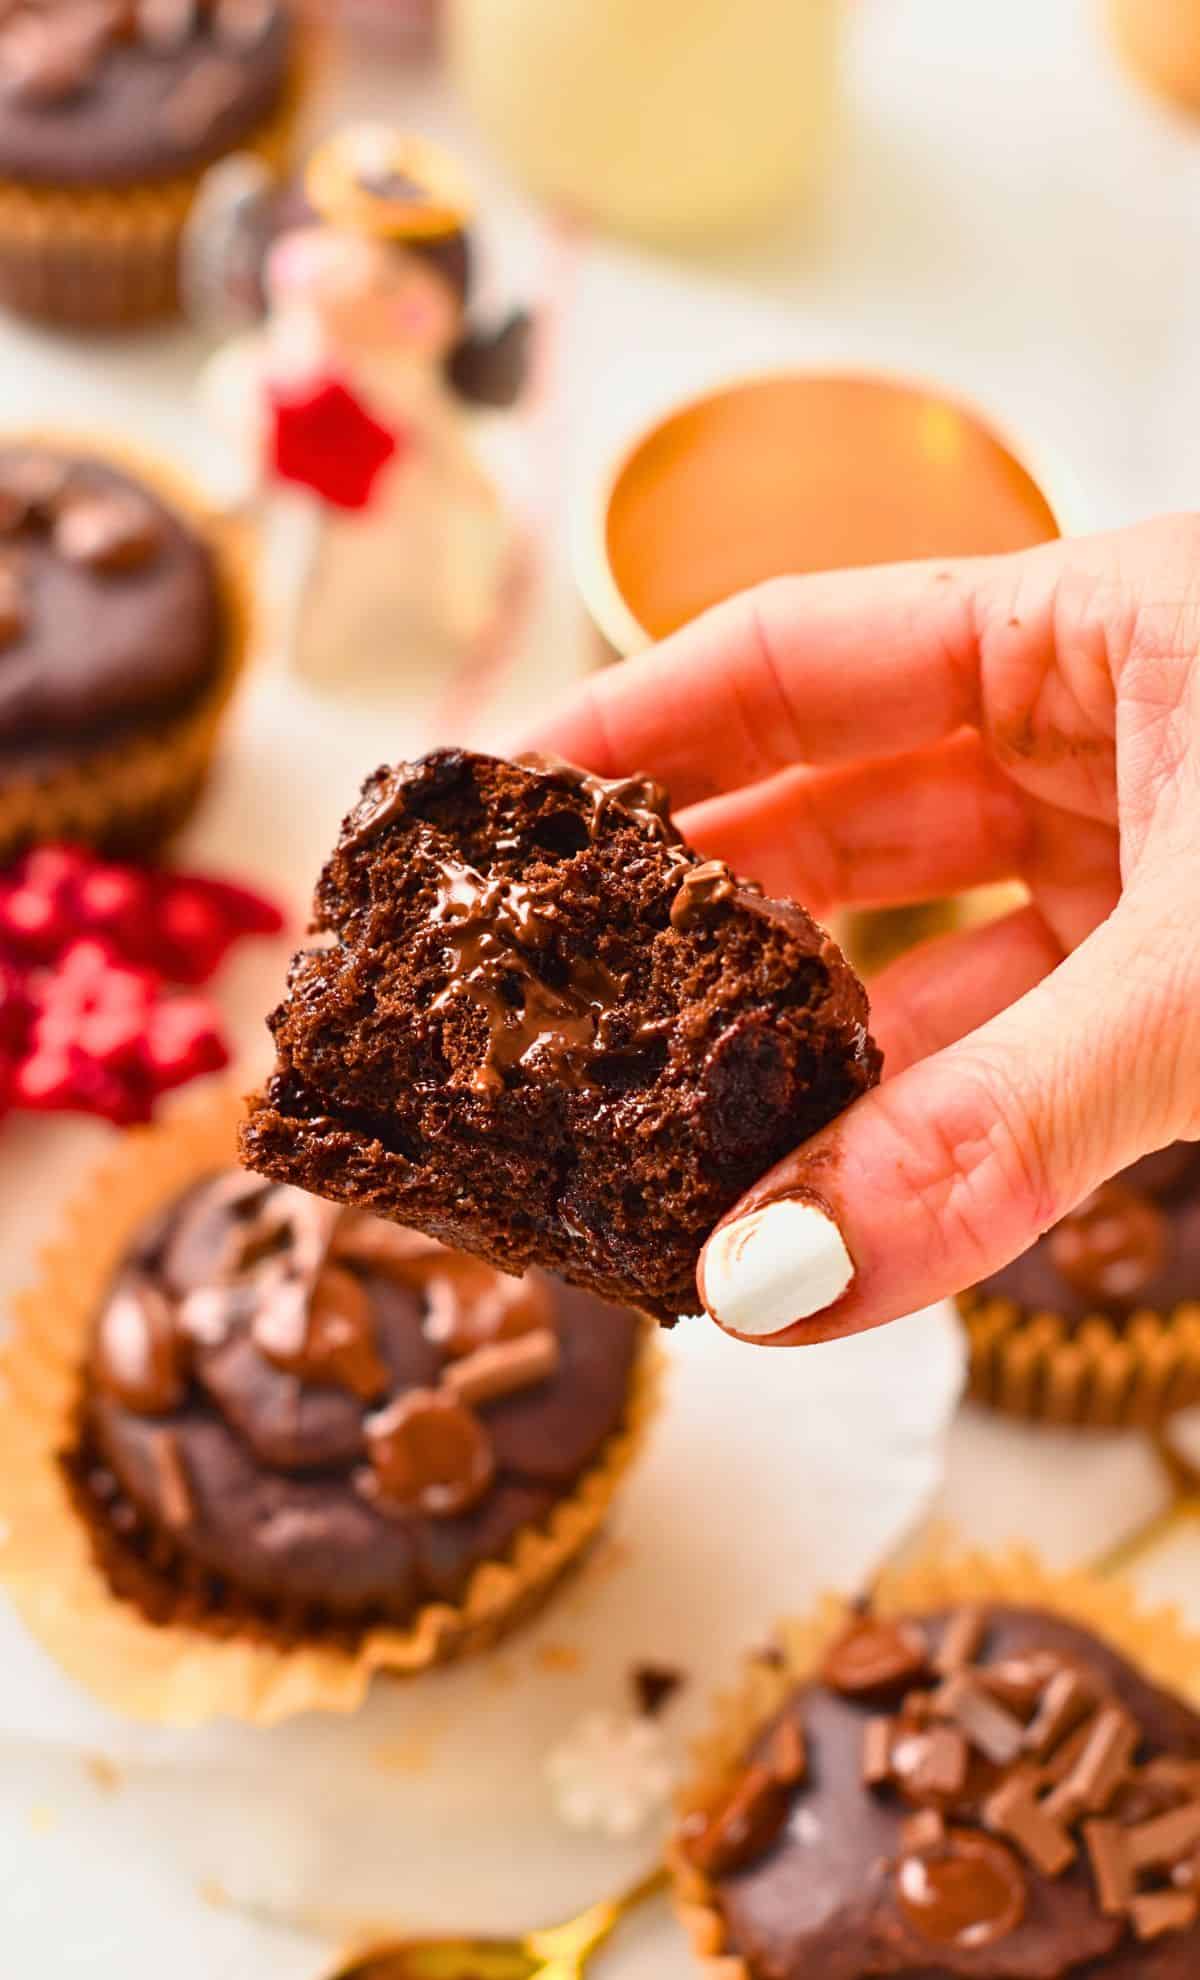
(1156, 1641)
(101, 257)
(130, 794)
(181, 1672)
(1092, 1374)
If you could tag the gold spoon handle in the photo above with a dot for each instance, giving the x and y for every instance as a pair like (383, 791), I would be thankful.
(565, 1948)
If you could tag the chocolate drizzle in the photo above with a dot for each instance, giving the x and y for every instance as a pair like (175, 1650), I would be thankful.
(490, 927)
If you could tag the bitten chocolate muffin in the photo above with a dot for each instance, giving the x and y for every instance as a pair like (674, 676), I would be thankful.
(1100, 1319)
(109, 112)
(301, 1421)
(546, 1031)
(991, 1793)
(119, 640)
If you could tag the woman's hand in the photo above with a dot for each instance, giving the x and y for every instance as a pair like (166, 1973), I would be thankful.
(883, 736)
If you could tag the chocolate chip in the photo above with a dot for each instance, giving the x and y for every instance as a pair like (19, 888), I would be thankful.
(876, 1659)
(1112, 1247)
(110, 532)
(48, 58)
(742, 1828)
(429, 1454)
(30, 487)
(1112, 1869)
(654, 1686)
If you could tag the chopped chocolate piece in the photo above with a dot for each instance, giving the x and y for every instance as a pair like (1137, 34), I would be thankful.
(654, 1686)
(628, 1080)
(1014, 1810)
(1018, 1682)
(112, 531)
(175, 1494)
(875, 1659)
(1160, 1912)
(504, 1368)
(702, 889)
(787, 1756)
(428, 1453)
(1100, 1769)
(931, 1765)
(201, 97)
(1108, 1852)
(14, 612)
(1067, 1700)
(962, 1640)
(923, 1832)
(243, 23)
(967, 1891)
(1165, 1841)
(742, 1828)
(878, 1736)
(991, 1729)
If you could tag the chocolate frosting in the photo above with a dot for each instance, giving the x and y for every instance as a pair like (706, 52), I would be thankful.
(1134, 1244)
(865, 1871)
(117, 92)
(332, 1413)
(114, 611)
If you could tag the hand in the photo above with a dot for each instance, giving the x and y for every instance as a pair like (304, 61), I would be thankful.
(885, 736)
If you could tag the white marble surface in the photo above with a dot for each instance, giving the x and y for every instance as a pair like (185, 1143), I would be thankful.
(1010, 216)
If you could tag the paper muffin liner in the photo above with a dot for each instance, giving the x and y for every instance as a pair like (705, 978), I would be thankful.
(179, 1673)
(1155, 1640)
(1093, 1374)
(131, 794)
(107, 257)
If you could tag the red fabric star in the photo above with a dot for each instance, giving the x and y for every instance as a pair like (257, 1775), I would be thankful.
(321, 437)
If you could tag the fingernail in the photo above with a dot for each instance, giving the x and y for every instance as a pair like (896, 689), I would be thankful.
(777, 1265)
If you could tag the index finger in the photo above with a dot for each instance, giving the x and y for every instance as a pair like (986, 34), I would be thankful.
(810, 669)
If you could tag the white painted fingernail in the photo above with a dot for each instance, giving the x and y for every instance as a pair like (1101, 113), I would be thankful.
(780, 1264)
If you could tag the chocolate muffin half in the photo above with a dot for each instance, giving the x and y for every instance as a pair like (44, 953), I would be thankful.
(303, 1423)
(545, 1030)
(990, 1793)
(1098, 1323)
(122, 629)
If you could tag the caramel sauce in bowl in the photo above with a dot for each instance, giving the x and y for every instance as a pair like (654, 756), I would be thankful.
(796, 471)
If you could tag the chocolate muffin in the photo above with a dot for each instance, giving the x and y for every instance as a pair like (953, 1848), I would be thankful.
(1099, 1321)
(989, 1793)
(543, 1029)
(304, 1423)
(110, 111)
(121, 627)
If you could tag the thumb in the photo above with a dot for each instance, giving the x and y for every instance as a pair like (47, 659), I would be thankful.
(947, 1172)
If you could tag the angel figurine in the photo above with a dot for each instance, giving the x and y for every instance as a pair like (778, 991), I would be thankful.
(347, 395)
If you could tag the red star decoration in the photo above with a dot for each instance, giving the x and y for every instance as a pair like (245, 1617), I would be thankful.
(322, 438)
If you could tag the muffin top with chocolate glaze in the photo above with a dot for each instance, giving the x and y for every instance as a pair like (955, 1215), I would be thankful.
(320, 1412)
(1133, 1245)
(990, 1794)
(120, 92)
(110, 612)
